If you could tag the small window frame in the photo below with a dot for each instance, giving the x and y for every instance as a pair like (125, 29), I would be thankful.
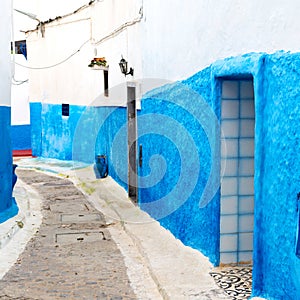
(65, 110)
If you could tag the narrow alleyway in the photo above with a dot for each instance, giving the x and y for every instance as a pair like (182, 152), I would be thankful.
(94, 243)
(72, 256)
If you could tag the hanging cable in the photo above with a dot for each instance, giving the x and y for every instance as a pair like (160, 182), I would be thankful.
(112, 34)
(57, 64)
(121, 28)
(20, 82)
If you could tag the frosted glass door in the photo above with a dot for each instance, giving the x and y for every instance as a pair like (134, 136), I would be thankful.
(237, 168)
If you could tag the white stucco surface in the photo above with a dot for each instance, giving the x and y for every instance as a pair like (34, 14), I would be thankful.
(181, 38)
(54, 81)
(20, 114)
(44, 10)
(21, 22)
(168, 39)
(5, 68)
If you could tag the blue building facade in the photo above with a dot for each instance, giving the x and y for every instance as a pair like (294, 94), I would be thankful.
(7, 206)
(21, 137)
(182, 128)
(6, 154)
(20, 124)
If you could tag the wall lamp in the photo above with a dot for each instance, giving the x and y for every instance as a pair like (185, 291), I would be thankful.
(124, 67)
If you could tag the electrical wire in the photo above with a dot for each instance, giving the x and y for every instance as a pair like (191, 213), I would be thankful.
(57, 64)
(121, 28)
(20, 82)
(112, 34)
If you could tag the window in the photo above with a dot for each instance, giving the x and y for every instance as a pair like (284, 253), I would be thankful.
(65, 110)
(20, 47)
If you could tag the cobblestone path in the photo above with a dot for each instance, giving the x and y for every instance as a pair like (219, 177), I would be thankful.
(72, 255)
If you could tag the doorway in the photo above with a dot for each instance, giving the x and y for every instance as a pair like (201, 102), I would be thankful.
(132, 136)
(237, 171)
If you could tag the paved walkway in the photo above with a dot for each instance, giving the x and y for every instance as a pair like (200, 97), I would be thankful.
(72, 255)
(93, 243)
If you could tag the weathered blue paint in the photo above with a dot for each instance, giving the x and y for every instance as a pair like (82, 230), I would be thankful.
(87, 132)
(36, 128)
(10, 211)
(277, 167)
(298, 230)
(21, 137)
(195, 226)
(6, 160)
(277, 267)
(57, 131)
(112, 141)
(96, 134)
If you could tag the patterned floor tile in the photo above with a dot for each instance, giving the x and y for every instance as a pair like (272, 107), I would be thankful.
(236, 281)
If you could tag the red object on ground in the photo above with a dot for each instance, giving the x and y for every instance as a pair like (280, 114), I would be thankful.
(26, 152)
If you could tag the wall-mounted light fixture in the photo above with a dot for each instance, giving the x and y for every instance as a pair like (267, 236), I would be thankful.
(124, 67)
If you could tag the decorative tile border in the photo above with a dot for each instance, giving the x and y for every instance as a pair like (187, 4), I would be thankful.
(236, 281)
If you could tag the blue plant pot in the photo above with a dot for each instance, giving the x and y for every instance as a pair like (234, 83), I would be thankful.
(100, 166)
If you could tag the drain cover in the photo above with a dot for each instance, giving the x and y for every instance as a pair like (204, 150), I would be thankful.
(65, 206)
(79, 237)
(80, 218)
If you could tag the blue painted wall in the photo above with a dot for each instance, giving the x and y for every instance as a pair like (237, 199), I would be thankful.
(6, 159)
(103, 131)
(276, 273)
(172, 136)
(36, 128)
(278, 269)
(183, 146)
(87, 132)
(21, 137)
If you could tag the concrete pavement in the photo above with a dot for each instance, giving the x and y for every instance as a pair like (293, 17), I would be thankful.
(150, 259)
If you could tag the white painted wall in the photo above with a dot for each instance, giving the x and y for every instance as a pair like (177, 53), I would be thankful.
(70, 82)
(44, 10)
(174, 40)
(110, 16)
(5, 67)
(22, 22)
(182, 37)
(51, 9)
(73, 81)
(20, 111)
